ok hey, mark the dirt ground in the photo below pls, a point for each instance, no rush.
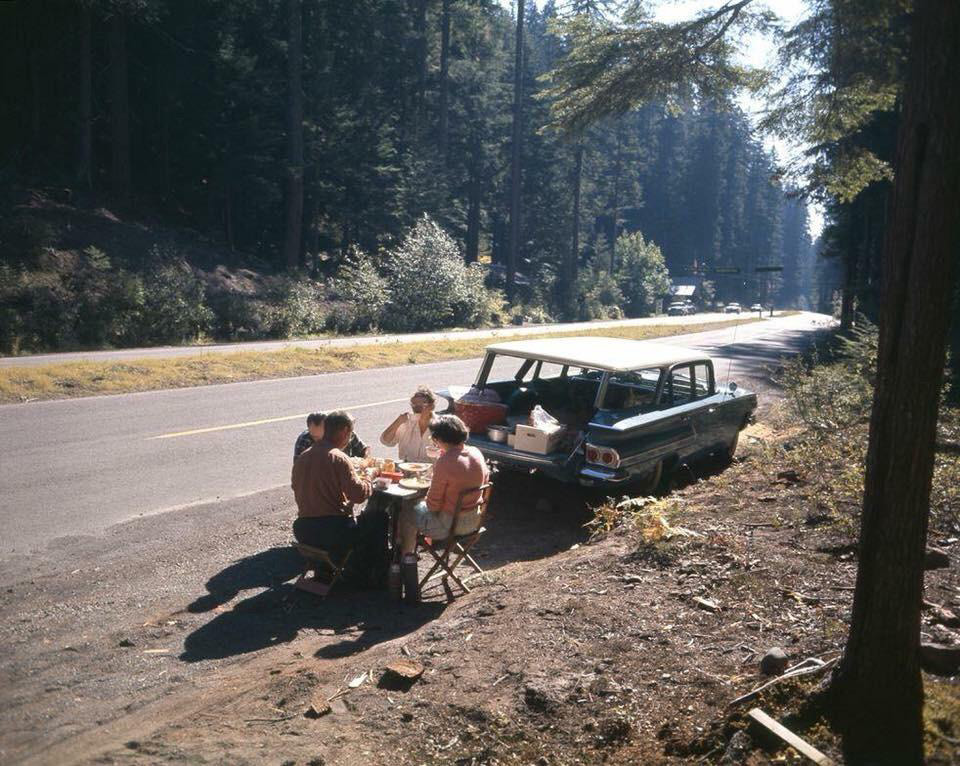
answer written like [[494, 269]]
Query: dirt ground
[[174, 639]]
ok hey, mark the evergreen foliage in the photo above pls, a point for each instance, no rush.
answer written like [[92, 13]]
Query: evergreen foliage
[[396, 125]]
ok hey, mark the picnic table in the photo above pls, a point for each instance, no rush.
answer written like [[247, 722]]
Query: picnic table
[[394, 496]]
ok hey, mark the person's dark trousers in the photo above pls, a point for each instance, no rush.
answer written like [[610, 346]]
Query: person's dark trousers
[[367, 536]]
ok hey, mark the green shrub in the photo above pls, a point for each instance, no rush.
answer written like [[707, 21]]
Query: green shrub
[[430, 285], [300, 312], [831, 395], [599, 295], [363, 294], [641, 274], [174, 308]]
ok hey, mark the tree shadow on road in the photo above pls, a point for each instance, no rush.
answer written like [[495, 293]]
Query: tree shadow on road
[[280, 614]]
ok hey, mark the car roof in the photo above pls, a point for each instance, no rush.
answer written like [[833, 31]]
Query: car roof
[[599, 353]]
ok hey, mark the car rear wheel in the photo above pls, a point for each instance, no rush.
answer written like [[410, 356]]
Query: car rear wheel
[[731, 448], [649, 482]]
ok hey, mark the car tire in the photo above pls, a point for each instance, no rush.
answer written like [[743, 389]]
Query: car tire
[[731, 449], [650, 482]]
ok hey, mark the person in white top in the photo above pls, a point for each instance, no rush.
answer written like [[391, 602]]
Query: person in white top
[[410, 432]]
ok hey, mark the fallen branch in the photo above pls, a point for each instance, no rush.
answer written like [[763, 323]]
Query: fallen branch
[[800, 669], [800, 745], [270, 720]]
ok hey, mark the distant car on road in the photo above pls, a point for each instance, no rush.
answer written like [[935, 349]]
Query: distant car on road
[[627, 411], [756, 307], [680, 309], [691, 307], [732, 308]]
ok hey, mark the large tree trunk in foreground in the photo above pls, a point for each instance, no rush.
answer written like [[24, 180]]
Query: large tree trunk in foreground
[[293, 231], [119, 109], [878, 683], [512, 253]]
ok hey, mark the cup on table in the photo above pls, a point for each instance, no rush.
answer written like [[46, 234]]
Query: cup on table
[[433, 452], [381, 483]]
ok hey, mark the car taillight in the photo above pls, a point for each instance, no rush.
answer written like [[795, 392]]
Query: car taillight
[[602, 455]]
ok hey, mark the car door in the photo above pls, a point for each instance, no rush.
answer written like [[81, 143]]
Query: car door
[[689, 388]]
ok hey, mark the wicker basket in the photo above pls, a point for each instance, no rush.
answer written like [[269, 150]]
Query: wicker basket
[[479, 415]]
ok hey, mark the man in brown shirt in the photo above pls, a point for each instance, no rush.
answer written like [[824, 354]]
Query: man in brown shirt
[[326, 486]]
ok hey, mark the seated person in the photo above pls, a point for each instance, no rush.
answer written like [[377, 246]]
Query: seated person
[[459, 467], [410, 432], [326, 486], [314, 433]]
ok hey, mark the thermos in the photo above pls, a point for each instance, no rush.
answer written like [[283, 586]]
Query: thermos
[[395, 581], [411, 580]]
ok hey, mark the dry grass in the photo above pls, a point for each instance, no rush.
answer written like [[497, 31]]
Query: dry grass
[[75, 379]]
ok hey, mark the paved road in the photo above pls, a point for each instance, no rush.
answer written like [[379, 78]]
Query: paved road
[[366, 340], [76, 467]]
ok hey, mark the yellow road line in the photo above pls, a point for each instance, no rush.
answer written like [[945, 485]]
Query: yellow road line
[[250, 423]]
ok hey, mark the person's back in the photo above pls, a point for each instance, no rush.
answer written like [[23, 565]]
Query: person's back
[[458, 469], [324, 482], [326, 486]]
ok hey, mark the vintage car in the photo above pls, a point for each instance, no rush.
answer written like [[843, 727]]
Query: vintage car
[[680, 308], [732, 308], [631, 411]]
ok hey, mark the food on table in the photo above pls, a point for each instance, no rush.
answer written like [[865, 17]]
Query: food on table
[[414, 483], [414, 469]]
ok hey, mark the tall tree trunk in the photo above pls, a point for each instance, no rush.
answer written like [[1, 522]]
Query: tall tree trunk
[[85, 96], [421, 23], [512, 253], [473, 212], [444, 77], [119, 109], [954, 375], [573, 257], [294, 182], [878, 682], [615, 213]]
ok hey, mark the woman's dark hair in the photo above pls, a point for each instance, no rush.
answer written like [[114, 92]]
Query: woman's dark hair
[[335, 422], [448, 429], [316, 419]]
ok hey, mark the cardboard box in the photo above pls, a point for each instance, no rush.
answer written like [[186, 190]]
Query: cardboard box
[[512, 440], [530, 439]]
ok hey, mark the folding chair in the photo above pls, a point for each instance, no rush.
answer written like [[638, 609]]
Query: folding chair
[[456, 545], [316, 559]]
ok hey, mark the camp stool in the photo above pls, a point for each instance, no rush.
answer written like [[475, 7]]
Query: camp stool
[[457, 547], [315, 558]]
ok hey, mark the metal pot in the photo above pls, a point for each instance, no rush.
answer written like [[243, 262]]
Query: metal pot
[[498, 434]]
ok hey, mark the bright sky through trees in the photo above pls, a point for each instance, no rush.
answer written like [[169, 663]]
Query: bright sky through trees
[[758, 50]]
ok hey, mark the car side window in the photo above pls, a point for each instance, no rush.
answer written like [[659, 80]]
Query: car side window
[[679, 387], [701, 380]]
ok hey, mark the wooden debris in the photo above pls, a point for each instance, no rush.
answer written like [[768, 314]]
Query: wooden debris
[[404, 669], [801, 746], [706, 603], [355, 682], [319, 707]]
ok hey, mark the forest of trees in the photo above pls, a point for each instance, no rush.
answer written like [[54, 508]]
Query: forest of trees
[[294, 132]]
